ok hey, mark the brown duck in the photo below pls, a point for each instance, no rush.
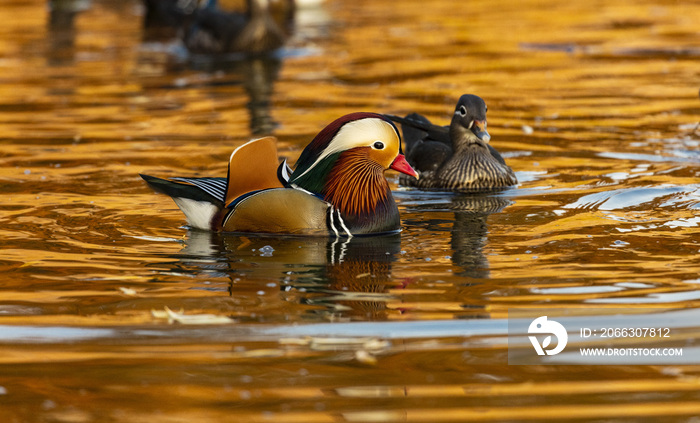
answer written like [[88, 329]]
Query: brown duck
[[458, 157]]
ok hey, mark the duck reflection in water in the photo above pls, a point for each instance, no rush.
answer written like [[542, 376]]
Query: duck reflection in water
[[219, 39], [61, 30], [469, 230], [469, 233], [334, 278], [257, 74]]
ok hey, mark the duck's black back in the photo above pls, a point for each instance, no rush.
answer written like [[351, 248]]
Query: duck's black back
[[427, 145]]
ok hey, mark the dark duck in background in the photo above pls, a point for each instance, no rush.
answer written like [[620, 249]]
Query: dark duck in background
[[458, 157], [208, 27]]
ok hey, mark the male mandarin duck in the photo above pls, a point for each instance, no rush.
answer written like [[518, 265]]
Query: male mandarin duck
[[337, 187], [458, 157]]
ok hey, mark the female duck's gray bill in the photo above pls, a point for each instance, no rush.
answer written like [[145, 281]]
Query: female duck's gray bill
[[479, 129]]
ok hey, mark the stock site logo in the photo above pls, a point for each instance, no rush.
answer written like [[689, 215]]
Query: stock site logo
[[543, 326]]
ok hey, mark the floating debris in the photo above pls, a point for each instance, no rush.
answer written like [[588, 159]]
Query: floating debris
[[266, 251], [191, 319], [365, 357], [128, 291], [336, 343]]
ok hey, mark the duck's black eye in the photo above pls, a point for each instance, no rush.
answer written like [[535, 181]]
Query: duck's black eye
[[462, 111], [378, 145]]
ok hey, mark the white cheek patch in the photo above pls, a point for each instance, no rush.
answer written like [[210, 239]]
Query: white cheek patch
[[198, 213], [359, 133]]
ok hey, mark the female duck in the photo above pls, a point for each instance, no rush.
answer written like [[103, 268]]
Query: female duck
[[458, 157], [337, 188]]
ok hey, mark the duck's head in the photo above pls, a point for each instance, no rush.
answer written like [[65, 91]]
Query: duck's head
[[469, 121], [366, 143]]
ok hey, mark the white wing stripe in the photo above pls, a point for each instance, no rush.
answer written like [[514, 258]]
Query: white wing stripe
[[216, 187]]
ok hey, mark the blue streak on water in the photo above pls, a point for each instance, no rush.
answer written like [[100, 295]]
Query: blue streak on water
[[429, 329], [51, 334]]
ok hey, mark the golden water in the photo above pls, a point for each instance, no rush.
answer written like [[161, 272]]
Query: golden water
[[593, 103]]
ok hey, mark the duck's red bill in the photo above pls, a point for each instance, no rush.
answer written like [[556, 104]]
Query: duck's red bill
[[401, 165]]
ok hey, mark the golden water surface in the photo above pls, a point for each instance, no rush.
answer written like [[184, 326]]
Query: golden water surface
[[593, 103]]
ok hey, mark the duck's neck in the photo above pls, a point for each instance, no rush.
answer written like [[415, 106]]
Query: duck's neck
[[356, 186], [463, 138]]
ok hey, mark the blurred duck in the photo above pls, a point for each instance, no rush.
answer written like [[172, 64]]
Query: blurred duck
[[337, 188], [458, 157], [207, 28]]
